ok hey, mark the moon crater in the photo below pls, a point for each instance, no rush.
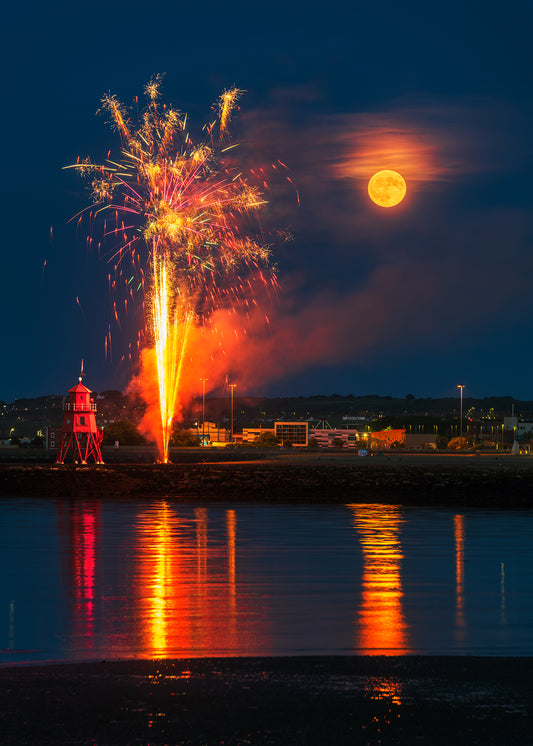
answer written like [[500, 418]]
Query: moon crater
[[387, 188]]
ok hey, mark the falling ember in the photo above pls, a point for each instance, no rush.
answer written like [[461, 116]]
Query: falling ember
[[226, 105], [180, 212]]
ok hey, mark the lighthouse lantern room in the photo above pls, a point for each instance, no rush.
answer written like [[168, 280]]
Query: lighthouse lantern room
[[80, 431]]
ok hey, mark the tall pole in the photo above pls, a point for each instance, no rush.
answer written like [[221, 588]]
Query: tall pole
[[461, 386], [203, 380], [232, 386]]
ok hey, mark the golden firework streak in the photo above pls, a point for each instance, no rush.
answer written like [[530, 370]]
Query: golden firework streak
[[172, 317]]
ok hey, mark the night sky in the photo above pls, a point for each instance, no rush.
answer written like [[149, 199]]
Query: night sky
[[407, 300]]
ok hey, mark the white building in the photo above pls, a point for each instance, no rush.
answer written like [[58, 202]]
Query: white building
[[520, 428]]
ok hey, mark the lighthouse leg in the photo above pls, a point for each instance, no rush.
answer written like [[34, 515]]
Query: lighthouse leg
[[60, 454], [92, 446], [79, 457], [87, 441], [64, 447]]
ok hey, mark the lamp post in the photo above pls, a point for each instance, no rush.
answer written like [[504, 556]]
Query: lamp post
[[461, 386], [232, 387], [203, 380]]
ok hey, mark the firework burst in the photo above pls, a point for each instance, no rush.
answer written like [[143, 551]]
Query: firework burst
[[183, 213]]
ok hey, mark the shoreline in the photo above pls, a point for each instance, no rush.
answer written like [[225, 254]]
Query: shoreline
[[311, 700], [314, 700], [466, 480]]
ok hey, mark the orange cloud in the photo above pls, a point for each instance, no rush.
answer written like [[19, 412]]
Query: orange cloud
[[405, 140]]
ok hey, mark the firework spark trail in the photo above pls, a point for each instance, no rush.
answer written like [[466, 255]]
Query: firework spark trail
[[170, 328], [184, 206]]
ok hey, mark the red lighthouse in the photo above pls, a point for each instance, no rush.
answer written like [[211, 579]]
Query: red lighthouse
[[80, 430]]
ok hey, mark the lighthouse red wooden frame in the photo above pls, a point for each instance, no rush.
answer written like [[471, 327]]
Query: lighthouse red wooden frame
[[80, 431]]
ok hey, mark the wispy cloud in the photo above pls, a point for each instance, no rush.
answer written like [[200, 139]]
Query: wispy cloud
[[424, 142]]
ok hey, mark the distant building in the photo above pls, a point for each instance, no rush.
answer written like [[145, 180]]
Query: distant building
[[387, 438], [292, 433], [52, 437], [420, 442], [250, 434], [519, 428], [211, 433], [326, 437]]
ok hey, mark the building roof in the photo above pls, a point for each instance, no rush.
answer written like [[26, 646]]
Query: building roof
[[79, 388]]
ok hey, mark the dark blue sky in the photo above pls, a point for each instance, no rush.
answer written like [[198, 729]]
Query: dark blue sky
[[412, 300]]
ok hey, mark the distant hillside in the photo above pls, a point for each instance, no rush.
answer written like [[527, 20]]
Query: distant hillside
[[372, 406], [25, 416]]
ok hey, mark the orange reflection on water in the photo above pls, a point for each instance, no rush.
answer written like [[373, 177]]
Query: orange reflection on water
[[231, 522], [459, 534], [231, 528], [384, 688], [161, 576], [184, 602], [381, 627], [201, 545]]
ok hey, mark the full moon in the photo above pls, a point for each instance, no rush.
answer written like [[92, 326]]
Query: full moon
[[387, 188]]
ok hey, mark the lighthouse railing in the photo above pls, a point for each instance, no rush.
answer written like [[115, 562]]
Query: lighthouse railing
[[79, 407]]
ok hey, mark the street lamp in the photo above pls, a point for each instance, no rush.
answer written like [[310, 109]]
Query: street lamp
[[461, 386], [203, 380], [232, 386]]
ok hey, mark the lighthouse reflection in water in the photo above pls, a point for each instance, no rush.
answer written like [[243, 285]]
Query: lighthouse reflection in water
[[126, 579]]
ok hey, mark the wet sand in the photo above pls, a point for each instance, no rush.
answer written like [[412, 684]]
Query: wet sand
[[344, 700]]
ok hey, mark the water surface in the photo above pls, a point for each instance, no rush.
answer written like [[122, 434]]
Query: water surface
[[108, 579]]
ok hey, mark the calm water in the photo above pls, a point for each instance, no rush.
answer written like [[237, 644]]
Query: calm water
[[118, 579]]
